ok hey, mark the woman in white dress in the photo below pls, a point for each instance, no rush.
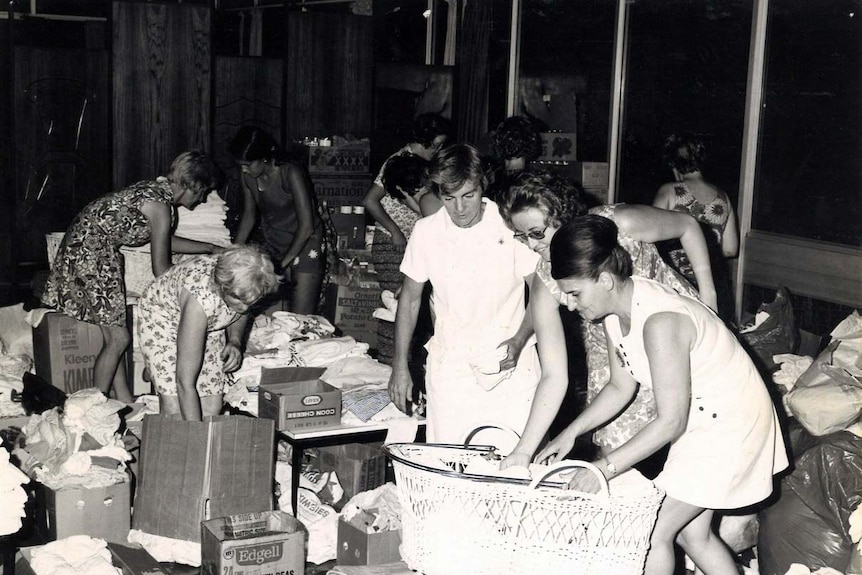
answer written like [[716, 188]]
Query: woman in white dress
[[712, 406]]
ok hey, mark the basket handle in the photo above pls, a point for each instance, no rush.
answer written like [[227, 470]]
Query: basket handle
[[572, 464], [489, 425]]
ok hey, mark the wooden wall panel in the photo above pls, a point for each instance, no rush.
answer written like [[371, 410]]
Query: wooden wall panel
[[74, 177], [162, 93], [328, 76], [824, 271], [247, 91]]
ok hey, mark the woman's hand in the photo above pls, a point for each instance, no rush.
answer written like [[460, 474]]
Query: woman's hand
[[516, 459], [231, 356], [514, 347], [214, 249], [398, 238], [581, 479], [400, 387], [558, 448]]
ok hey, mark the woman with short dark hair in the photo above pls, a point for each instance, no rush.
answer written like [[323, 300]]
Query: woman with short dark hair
[[712, 406]]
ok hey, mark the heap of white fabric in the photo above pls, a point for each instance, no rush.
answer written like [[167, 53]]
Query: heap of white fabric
[[12, 495], [206, 223], [78, 554]]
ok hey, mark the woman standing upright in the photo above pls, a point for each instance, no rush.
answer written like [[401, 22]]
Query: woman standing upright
[[86, 280], [293, 232]]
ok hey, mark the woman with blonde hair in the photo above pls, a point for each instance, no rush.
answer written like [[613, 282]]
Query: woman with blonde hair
[[193, 322]]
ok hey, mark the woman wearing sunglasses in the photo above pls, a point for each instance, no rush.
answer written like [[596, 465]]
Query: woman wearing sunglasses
[[535, 209]]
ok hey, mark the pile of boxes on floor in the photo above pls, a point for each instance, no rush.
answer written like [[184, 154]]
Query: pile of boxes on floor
[[340, 171], [202, 491]]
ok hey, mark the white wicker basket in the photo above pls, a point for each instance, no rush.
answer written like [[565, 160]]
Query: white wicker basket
[[455, 522]]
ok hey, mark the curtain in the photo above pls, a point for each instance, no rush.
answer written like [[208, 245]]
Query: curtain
[[472, 59]]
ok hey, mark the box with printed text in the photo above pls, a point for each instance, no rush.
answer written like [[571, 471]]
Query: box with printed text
[[267, 543], [297, 400]]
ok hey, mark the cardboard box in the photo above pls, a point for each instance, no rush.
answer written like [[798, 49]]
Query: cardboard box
[[359, 467], [339, 191], [354, 309], [270, 543], [191, 471], [101, 512], [297, 400], [591, 174], [359, 544], [559, 147], [64, 351], [354, 158], [350, 229]]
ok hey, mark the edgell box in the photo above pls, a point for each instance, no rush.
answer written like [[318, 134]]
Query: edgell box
[[268, 543], [297, 399], [64, 351]]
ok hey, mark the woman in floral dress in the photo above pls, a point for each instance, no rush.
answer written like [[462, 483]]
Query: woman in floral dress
[[536, 208], [86, 280], [690, 193], [193, 320]]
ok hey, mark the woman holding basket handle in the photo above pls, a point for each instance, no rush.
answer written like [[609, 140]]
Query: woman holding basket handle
[[712, 406]]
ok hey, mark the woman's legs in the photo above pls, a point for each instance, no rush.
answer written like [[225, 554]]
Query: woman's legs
[[672, 518], [108, 368], [210, 405], [705, 547], [306, 292]]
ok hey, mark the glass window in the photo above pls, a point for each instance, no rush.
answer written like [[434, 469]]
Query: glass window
[[807, 181], [686, 70], [566, 62]]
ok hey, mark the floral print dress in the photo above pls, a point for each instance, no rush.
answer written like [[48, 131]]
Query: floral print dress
[[646, 262], [713, 217], [86, 281], [160, 313]]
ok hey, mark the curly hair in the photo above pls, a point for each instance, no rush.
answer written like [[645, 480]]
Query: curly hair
[[455, 166], [196, 171], [517, 137], [426, 127], [407, 172], [245, 271], [559, 198], [685, 152]]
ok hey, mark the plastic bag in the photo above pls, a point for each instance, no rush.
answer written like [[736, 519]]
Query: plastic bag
[[828, 396], [776, 335], [810, 523]]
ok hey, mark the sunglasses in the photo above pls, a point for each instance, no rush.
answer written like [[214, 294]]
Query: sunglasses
[[532, 234]]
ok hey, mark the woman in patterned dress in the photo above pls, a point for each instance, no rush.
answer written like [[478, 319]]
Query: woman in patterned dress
[[690, 193], [86, 280], [293, 228], [193, 319], [536, 208]]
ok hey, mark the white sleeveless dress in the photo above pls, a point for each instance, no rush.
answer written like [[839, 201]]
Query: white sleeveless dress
[[732, 444]]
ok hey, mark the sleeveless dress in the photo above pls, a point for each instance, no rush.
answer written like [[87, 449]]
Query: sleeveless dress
[[713, 220], [159, 309], [279, 223], [732, 444], [647, 262], [86, 281]]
